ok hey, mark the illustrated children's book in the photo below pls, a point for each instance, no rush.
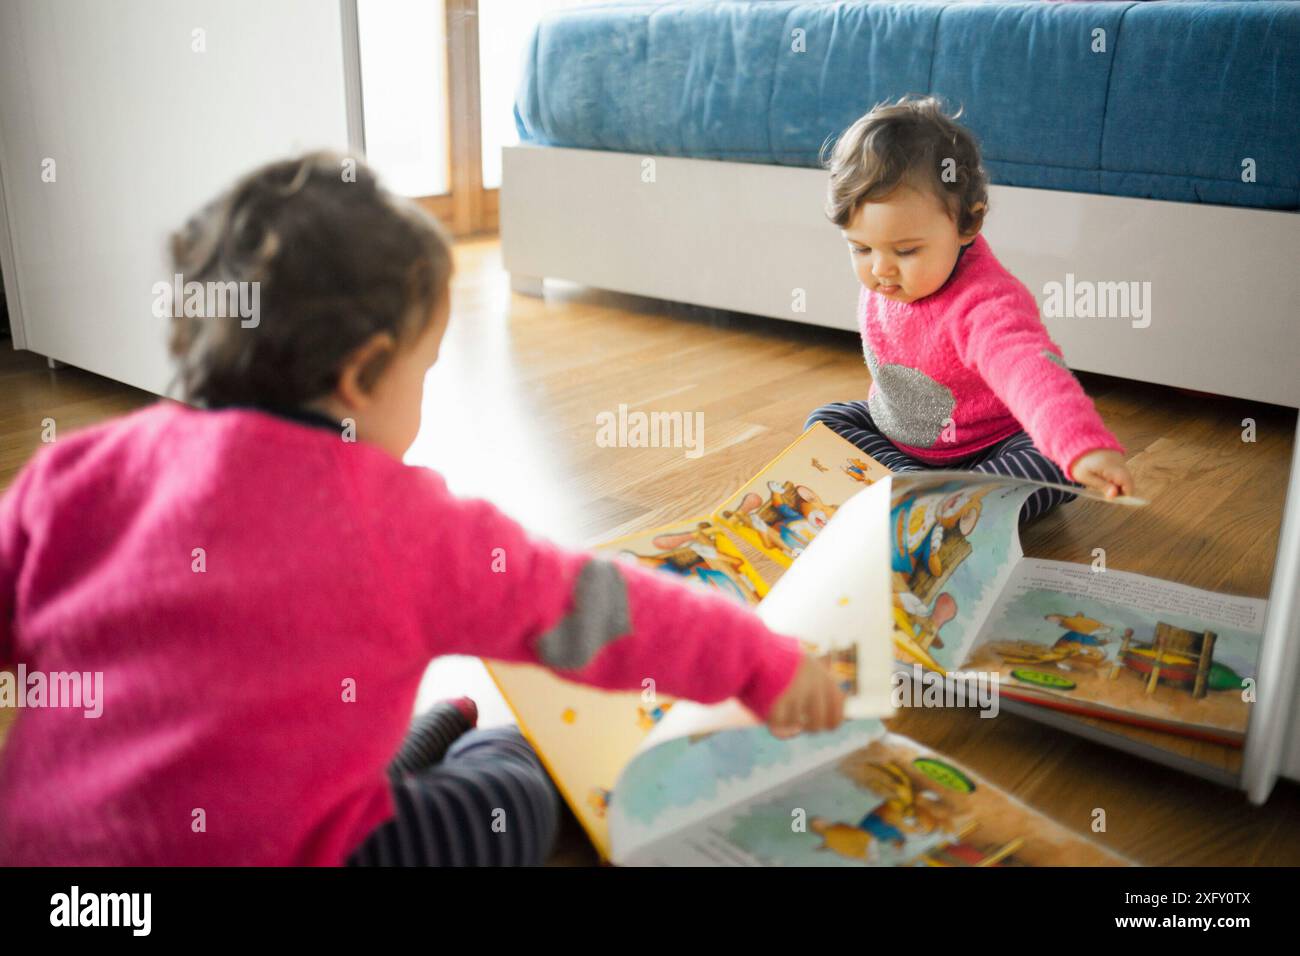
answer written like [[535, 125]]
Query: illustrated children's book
[[782, 508], [696, 550], [585, 735], [1072, 637], [910, 574], [839, 607], [704, 792]]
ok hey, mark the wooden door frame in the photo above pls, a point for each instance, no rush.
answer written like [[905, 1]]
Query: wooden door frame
[[467, 209]]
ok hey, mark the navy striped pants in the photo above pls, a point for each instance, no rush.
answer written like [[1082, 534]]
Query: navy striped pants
[[1015, 457], [464, 798]]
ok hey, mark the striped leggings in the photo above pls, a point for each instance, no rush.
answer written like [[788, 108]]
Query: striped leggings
[[464, 798], [1015, 457]]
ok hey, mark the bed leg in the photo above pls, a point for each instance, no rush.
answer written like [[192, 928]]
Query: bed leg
[[527, 285]]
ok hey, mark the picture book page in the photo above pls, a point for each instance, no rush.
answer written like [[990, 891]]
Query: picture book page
[[696, 550], [584, 735], [701, 760], [1164, 651], [867, 799], [953, 541], [784, 506], [836, 600]]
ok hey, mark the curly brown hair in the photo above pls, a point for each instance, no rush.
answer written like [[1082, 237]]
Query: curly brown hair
[[337, 259], [911, 142]]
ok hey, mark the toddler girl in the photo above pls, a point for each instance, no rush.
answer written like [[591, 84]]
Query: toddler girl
[[260, 582], [964, 376]]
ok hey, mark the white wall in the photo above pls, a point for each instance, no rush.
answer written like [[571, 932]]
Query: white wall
[[143, 129]]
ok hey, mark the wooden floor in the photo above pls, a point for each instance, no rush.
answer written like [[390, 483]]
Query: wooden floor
[[510, 414]]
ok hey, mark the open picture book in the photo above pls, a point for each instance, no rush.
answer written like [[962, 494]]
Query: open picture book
[[704, 789], [889, 579], [1077, 638]]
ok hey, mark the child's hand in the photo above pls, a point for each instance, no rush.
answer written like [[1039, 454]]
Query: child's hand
[[1103, 470], [813, 701]]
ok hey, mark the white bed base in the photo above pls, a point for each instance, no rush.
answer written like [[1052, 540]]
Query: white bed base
[[1224, 281], [1224, 299]]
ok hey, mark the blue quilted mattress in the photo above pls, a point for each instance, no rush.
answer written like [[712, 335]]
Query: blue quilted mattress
[[1188, 101]]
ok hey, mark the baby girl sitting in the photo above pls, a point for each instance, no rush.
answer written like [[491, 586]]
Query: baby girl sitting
[[964, 375]]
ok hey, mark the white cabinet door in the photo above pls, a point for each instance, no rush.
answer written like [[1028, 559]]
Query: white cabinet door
[[142, 110]]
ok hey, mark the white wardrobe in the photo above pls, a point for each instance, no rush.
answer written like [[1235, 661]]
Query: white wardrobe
[[117, 120]]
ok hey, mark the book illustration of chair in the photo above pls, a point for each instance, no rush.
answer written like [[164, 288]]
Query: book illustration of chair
[[1177, 656], [1123, 649], [954, 550]]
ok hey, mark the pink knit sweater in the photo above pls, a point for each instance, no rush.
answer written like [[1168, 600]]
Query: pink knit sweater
[[225, 735], [970, 365]]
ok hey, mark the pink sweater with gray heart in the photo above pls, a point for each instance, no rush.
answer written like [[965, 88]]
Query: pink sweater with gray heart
[[261, 599], [970, 365]]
